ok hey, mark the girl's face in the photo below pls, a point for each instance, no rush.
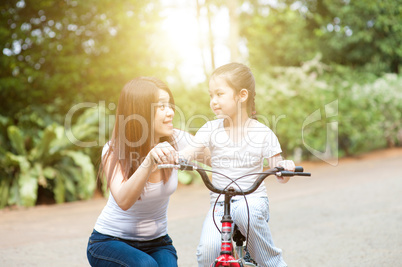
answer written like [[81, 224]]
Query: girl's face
[[223, 100], [163, 121]]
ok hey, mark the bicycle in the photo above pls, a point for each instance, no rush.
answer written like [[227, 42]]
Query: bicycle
[[230, 255]]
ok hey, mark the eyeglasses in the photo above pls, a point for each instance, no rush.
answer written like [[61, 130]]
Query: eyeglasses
[[163, 106]]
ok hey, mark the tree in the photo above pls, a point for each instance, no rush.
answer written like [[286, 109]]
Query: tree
[[357, 33], [234, 33], [354, 33], [73, 50], [55, 54], [276, 36]]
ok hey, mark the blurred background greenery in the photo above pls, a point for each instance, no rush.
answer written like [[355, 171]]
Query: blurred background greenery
[[339, 60]]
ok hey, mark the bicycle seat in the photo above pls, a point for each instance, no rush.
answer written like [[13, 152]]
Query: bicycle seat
[[238, 237]]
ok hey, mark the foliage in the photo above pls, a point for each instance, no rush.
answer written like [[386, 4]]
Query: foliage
[[74, 50], [285, 99], [366, 109], [192, 107], [372, 114], [185, 177], [46, 158], [276, 38], [357, 33], [56, 54]]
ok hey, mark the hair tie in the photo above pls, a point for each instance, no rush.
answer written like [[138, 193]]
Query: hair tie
[[254, 112]]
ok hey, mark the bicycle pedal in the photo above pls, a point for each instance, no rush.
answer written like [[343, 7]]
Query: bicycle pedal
[[247, 258]]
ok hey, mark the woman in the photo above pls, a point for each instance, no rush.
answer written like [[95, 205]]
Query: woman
[[132, 228]]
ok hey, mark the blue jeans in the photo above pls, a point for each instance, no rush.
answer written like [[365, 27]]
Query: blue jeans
[[104, 250]]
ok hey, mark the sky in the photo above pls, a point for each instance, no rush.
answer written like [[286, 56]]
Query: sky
[[187, 36]]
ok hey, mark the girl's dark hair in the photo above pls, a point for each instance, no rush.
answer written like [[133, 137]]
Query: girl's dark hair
[[132, 136], [238, 76]]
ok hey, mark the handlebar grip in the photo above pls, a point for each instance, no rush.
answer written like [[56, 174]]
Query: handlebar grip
[[303, 174], [299, 169], [288, 173]]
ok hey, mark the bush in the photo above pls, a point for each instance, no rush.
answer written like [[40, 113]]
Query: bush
[[42, 157], [330, 111]]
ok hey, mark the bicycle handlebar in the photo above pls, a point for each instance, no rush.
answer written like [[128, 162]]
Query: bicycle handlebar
[[278, 171]]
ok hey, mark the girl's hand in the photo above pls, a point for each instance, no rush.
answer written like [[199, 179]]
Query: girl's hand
[[163, 153], [287, 165]]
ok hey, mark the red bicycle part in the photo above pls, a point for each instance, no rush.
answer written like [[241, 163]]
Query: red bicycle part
[[226, 261]]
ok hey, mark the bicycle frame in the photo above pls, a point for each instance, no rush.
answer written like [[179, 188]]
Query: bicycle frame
[[226, 257]]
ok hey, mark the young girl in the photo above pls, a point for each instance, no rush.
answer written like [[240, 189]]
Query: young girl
[[238, 145]]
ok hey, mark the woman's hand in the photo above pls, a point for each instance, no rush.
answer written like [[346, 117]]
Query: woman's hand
[[163, 153]]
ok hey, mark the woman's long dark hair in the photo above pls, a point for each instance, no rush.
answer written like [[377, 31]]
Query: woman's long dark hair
[[132, 136]]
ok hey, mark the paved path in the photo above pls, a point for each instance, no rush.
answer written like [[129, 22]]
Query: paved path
[[348, 215]]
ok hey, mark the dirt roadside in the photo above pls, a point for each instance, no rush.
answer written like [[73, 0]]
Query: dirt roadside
[[345, 215]]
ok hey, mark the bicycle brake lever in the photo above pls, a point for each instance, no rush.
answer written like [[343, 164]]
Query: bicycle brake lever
[[184, 165]]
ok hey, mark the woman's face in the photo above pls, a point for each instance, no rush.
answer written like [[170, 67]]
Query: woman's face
[[163, 121]]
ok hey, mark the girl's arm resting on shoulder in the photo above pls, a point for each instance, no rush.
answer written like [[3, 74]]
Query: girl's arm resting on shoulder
[[278, 161], [193, 150], [197, 152]]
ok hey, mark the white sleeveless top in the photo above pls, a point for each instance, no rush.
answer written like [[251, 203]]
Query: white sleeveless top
[[147, 218]]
